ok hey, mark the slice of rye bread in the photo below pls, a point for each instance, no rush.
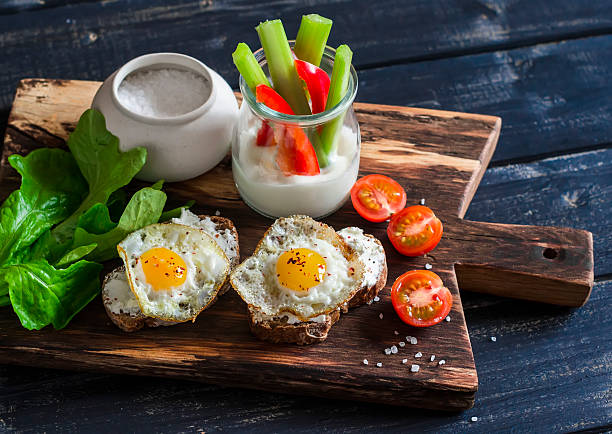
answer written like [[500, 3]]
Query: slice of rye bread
[[132, 322], [304, 333]]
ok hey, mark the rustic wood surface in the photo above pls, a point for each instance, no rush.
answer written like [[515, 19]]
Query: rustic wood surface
[[219, 348], [539, 64], [450, 150]]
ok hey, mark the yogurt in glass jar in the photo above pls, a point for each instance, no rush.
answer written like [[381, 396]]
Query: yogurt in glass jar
[[263, 185]]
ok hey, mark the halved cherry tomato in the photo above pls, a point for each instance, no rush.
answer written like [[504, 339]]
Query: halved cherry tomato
[[420, 298], [377, 197], [415, 230], [317, 82]]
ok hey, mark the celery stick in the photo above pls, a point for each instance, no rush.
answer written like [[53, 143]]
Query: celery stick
[[280, 64], [248, 67], [316, 144], [341, 74], [312, 38]]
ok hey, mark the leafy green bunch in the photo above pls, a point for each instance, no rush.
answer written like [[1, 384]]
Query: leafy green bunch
[[60, 224]]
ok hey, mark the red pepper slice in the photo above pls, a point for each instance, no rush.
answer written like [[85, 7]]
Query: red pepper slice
[[268, 96], [317, 82], [265, 135], [295, 155]]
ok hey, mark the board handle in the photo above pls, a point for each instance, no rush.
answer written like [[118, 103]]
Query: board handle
[[537, 263]]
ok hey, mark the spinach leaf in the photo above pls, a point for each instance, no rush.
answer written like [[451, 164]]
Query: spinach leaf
[[106, 169], [144, 208], [176, 212], [96, 220], [116, 204], [42, 295], [51, 189], [75, 254]]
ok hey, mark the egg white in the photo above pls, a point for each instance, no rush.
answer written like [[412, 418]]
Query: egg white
[[207, 267]]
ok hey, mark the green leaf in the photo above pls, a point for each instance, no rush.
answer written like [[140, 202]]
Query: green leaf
[[116, 204], [51, 189], [96, 220], [42, 295], [75, 254], [158, 185], [105, 168], [144, 208], [46, 247], [5, 300], [176, 212]]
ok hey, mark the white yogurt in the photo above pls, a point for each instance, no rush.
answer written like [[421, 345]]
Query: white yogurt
[[264, 187]]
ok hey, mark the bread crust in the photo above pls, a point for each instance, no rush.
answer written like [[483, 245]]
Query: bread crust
[[221, 224], [132, 323], [303, 333], [306, 333]]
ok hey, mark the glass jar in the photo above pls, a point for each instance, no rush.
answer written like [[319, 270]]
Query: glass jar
[[260, 181]]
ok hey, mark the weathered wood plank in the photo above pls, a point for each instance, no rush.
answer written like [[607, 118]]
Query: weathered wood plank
[[557, 380], [571, 190], [551, 97]]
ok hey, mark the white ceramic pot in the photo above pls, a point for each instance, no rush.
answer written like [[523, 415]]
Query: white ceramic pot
[[179, 147]]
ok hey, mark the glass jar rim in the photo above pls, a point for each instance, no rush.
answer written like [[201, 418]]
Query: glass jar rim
[[303, 120]]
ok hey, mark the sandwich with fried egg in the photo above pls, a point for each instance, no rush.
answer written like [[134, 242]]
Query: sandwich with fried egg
[[303, 275], [174, 271]]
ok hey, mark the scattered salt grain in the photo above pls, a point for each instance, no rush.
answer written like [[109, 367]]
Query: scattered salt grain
[[393, 349], [428, 266], [447, 318], [217, 213], [408, 338], [402, 344], [379, 365], [377, 298], [493, 339], [365, 361], [474, 419], [422, 202], [396, 333], [380, 315], [414, 368], [413, 340], [418, 355], [432, 358], [387, 351], [442, 362], [404, 361], [165, 92]]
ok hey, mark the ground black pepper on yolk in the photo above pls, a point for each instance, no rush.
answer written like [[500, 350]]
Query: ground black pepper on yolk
[[163, 268], [300, 269]]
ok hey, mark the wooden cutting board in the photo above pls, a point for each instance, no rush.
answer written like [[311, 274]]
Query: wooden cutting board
[[439, 156]]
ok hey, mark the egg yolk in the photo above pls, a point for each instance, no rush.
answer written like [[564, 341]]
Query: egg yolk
[[300, 269], [163, 269]]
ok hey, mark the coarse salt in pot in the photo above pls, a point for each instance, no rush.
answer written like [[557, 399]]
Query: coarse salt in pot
[[176, 107], [260, 180]]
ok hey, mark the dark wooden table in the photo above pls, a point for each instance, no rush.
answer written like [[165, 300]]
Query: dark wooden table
[[544, 66]]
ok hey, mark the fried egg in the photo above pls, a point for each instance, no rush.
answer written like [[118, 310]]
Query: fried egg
[[301, 267], [173, 270]]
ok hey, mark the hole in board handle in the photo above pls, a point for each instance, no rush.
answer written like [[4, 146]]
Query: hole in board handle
[[549, 253]]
